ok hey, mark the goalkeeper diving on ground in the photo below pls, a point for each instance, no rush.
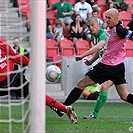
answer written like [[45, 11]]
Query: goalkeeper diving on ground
[[10, 79]]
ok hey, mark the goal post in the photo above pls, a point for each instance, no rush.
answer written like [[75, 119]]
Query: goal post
[[37, 86]]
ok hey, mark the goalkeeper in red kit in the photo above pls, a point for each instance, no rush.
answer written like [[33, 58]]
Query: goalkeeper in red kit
[[9, 77]]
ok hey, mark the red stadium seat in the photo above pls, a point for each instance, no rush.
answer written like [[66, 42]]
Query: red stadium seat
[[72, 2], [129, 48], [23, 9], [50, 13], [28, 13], [51, 52], [57, 60], [68, 51], [103, 16], [51, 16], [125, 17], [67, 29], [65, 43], [101, 2], [82, 50], [91, 44], [103, 8], [124, 14], [51, 43], [81, 43], [22, 2], [52, 2], [125, 22], [130, 2], [132, 10]]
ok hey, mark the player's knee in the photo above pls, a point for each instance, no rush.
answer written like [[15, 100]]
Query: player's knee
[[80, 84], [123, 97], [104, 88]]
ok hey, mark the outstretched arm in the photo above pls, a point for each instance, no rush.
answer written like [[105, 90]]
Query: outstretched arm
[[92, 60], [91, 51]]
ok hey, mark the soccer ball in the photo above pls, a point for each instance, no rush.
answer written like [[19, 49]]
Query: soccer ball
[[53, 73]]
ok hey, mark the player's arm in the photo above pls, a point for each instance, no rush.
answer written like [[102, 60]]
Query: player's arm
[[91, 51], [17, 57], [123, 32], [92, 60]]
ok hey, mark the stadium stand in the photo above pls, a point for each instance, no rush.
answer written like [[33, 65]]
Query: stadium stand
[[11, 24]]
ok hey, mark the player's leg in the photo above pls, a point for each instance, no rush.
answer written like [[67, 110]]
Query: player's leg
[[121, 86], [51, 102], [101, 99], [90, 78], [124, 94], [77, 91], [69, 110]]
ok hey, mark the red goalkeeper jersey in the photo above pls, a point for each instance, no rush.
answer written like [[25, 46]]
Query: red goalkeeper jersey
[[8, 57]]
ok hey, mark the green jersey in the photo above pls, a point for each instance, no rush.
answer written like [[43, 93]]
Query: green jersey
[[101, 36], [66, 7], [119, 1]]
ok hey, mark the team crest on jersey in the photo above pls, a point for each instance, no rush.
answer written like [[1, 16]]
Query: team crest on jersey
[[113, 31]]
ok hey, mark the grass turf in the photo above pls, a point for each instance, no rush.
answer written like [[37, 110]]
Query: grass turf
[[113, 118]]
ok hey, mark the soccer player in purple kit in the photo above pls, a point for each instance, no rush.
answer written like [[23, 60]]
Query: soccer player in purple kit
[[111, 67]]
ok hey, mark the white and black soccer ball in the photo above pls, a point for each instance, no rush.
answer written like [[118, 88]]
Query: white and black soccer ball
[[53, 73]]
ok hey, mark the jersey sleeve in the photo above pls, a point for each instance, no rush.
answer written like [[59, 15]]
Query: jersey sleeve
[[54, 7], [76, 8], [70, 7], [123, 32], [102, 36]]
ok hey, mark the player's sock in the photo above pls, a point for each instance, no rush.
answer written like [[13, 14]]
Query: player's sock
[[99, 103], [51, 102], [73, 96], [93, 96], [130, 98]]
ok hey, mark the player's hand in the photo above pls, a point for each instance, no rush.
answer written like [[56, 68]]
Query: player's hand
[[88, 62], [78, 58]]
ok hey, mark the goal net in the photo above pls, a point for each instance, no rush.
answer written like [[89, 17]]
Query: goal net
[[26, 22]]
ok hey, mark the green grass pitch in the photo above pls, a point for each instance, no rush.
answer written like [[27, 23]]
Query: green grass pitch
[[113, 118]]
